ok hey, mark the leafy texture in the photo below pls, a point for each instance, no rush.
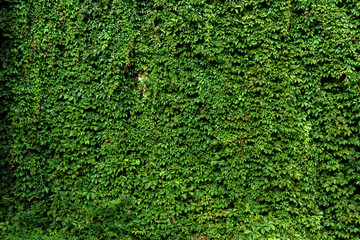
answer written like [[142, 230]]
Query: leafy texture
[[188, 119]]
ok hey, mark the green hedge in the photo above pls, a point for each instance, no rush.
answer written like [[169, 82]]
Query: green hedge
[[168, 119]]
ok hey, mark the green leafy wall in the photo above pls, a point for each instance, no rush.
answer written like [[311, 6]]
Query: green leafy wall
[[191, 119]]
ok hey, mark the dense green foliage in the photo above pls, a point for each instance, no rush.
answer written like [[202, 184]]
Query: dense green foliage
[[168, 119]]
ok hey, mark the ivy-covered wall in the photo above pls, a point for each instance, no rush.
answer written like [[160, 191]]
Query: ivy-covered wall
[[168, 119]]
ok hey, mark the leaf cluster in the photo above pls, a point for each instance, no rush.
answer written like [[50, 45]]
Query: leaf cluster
[[197, 119]]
